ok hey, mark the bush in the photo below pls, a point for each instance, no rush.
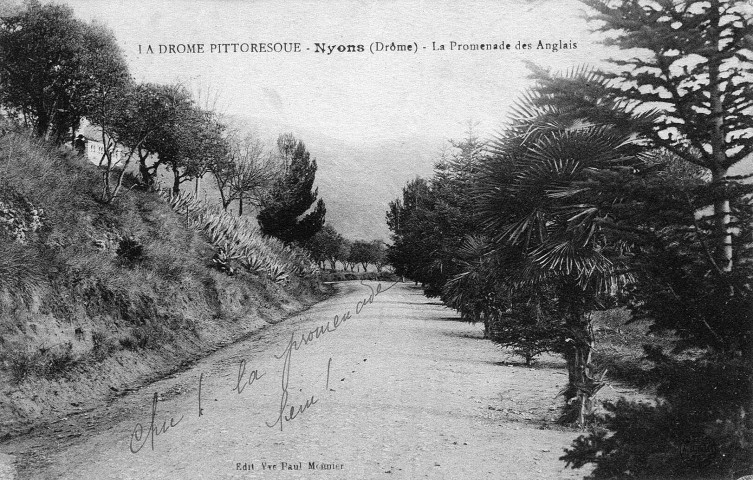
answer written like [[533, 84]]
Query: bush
[[58, 361], [223, 261], [527, 335], [130, 251], [20, 365], [102, 345], [701, 426], [129, 342]]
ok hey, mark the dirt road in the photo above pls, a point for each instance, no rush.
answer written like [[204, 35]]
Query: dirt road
[[399, 389]]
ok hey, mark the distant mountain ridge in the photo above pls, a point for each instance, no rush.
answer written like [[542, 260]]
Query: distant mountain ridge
[[358, 180]]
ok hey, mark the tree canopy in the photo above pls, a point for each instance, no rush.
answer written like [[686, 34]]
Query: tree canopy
[[283, 213], [694, 65], [51, 66]]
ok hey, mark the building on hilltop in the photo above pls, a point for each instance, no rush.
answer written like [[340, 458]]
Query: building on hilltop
[[94, 149]]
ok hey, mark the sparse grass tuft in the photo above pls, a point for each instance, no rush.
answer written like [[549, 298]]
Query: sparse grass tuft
[[44, 362], [21, 271], [102, 345]]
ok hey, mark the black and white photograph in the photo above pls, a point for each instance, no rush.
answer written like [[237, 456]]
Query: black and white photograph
[[361, 239]]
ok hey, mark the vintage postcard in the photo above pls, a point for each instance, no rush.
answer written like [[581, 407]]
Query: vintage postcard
[[359, 239]]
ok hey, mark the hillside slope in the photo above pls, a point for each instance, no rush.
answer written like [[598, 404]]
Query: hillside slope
[[96, 298]]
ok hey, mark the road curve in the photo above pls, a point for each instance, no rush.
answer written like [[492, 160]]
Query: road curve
[[399, 389]]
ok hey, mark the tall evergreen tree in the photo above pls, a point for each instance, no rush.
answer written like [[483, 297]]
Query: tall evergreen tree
[[694, 63], [414, 239], [284, 212]]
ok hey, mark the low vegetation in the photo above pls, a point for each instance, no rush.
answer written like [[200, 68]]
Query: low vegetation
[[86, 283], [239, 242]]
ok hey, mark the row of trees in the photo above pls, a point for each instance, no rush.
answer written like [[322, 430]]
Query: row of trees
[[614, 189], [56, 71], [328, 245]]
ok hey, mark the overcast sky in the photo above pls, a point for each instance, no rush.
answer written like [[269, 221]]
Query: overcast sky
[[359, 97], [373, 121]]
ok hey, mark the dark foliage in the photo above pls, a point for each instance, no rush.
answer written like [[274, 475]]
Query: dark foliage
[[698, 428], [702, 422], [130, 251], [433, 218], [50, 66], [414, 238], [284, 213]]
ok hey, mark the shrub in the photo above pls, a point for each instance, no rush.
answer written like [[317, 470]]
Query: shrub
[[129, 342], [130, 251], [223, 260], [56, 362], [526, 337], [701, 426], [102, 345], [20, 364]]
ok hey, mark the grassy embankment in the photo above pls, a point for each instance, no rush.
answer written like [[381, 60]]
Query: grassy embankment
[[97, 298]]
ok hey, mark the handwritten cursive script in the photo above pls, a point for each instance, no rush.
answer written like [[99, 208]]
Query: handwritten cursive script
[[154, 430], [243, 382], [141, 435], [285, 413]]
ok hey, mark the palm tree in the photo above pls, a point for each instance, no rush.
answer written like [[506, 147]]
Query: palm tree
[[473, 292], [537, 193], [489, 289]]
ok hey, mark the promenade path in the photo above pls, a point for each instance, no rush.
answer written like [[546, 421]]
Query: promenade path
[[401, 389]]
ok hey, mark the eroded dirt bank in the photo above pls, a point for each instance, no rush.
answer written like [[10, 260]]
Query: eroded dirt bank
[[90, 383]]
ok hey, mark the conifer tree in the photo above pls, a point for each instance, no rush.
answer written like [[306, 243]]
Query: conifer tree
[[284, 212], [693, 62]]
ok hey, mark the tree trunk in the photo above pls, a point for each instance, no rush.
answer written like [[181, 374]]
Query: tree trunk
[[146, 178], [722, 214], [583, 382], [240, 205], [176, 182], [43, 122], [719, 172]]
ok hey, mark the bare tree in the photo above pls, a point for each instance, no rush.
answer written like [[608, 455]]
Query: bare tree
[[286, 145], [245, 173]]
